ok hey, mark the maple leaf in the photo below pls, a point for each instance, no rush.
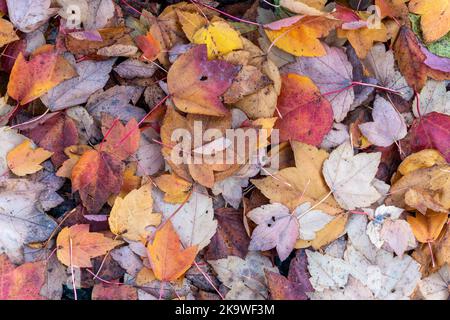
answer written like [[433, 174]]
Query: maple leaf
[[388, 124], [23, 159], [433, 97], [149, 46], [23, 282], [302, 183], [429, 132], [332, 73], [231, 238], [54, 133], [92, 76], [435, 286], [201, 83], [427, 228], [120, 141], [132, 215], [29, 15], [31, 79], [351, 177], [7, 34], [299, 35], [21, 216], [244, 277], [96, 176], [296, 285], [306, 116], [194, 221], [277, 228], [219, 37], [169, 261], [77, 246], [435, 18]]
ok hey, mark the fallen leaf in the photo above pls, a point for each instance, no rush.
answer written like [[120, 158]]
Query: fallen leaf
[[169, 261], [29, 15], [332, 73], [96, 176], [23, 282], [92, 76], [277, 228], [245, 277], [433, 97], [219, 37], [194, 221], [149, 46], [176, 189], [303, 183], [388, 124], [299, 35], [435, 286], [22, 217], [10, 139], [132, 215], [7, 34], [31, 79], [203, 82], [231, 238], [77, 246], [104, 291], [23, 159], [427, 228], [435, 18], [351, 177], [306, 116]]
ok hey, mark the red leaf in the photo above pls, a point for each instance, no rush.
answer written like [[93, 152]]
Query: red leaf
[[431, 131], [54, 133], [96, 176], [231, 239], [21, 283], [307, 116], [104, 291]]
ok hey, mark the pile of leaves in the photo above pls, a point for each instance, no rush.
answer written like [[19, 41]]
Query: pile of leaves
[[93, 207]]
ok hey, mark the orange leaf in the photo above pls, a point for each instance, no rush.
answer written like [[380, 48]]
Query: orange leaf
[[96, 176], [77, 246], [300, 35], [23, 159], [435, 17], [427, 228], [21, 283], [114, 132], [31, 79], [169, 261], [176, 189], [149, 46], [7, 34]]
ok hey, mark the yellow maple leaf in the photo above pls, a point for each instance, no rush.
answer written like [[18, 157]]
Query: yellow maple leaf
[[219, 37], [435, 17], [131, 215]]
